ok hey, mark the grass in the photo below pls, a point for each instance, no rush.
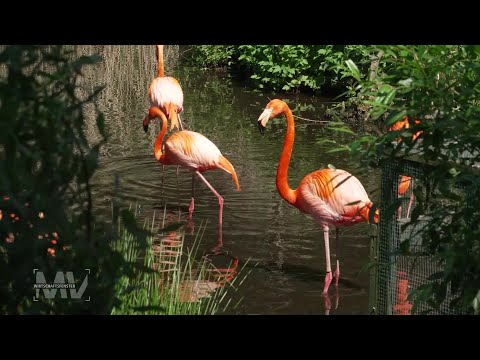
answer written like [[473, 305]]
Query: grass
[[168, 279]]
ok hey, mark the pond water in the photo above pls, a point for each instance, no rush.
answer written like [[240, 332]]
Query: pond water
[[284, 248]]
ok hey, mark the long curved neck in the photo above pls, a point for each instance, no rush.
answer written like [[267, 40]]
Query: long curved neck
[[283, 188], [157, 149], [160, 60]]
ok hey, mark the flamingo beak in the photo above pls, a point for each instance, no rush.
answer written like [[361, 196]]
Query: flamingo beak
[[263, 119], [261, 128], [145, 124]]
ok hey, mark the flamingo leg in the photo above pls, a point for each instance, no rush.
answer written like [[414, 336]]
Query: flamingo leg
[[328, 275], [220, 199], [192, 203], [180, 122], [163, 182], [218, 247], [337, 256], [411, 200], [399, 213]]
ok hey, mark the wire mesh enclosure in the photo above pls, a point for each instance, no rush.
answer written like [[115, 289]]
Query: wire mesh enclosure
[[396, 275]]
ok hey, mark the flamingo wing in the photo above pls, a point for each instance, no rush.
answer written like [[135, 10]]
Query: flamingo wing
[[192, 150], [334, 197]]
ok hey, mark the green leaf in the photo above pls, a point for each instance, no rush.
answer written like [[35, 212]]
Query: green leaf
[[341, 129], [407, 82], [353, 69], [454, 172], [338, 150]]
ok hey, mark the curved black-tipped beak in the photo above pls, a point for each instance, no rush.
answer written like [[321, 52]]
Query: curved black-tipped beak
[[261, 128], [145, 124], [263, 119]]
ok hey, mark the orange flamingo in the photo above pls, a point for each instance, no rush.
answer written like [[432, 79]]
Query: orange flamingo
[[406, 181], [331, 197], [192, 151], [166, 93]]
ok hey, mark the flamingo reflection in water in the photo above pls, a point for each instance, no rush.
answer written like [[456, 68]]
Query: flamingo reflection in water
[[199, 282]]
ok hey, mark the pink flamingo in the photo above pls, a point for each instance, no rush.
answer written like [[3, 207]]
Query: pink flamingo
[[407, 181], [166, 93], [192, 151], [331, 197]]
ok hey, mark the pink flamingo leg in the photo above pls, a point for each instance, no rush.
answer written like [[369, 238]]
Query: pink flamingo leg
[[328, 275], [179, 122], [337, 255], [216, 249], [220, 199], [411, 200], [192, 203]]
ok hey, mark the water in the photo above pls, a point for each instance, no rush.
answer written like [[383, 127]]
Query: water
[[285, 248]]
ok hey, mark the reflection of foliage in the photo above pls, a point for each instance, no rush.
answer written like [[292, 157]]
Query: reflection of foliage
[[438, 85], [46, 164]]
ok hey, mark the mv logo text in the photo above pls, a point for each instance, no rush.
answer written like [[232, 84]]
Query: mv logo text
[[62, 282]]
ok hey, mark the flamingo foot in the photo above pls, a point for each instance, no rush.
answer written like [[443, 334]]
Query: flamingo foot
[[328, 280]]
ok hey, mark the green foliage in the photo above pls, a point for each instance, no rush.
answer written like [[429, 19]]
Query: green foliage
[[439, 85], [208, 56], [46, 164], [287, 67]]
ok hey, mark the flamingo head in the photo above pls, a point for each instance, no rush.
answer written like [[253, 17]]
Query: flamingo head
[[273, 109], [146, 122], [153, 112]]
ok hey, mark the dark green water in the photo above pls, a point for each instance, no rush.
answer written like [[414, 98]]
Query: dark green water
[[286, 245]]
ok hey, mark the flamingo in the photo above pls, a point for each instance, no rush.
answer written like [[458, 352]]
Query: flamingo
[[406, 181], [166, 93], [192, 151], [331, 197]]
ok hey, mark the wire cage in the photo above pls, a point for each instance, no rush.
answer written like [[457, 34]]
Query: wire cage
[[395, 276]]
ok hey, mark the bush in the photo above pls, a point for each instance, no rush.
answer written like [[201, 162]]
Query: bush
[[438, 85], [287, 68], [46, 163]]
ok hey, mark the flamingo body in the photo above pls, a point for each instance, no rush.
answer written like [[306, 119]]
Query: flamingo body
[[164, 91], [334, 197], [195, 152]]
